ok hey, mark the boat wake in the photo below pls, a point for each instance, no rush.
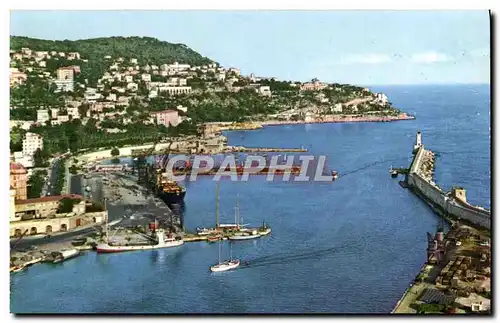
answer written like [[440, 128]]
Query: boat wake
[[281, 259]]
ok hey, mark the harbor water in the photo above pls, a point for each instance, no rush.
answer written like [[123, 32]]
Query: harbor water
[[351, 246]]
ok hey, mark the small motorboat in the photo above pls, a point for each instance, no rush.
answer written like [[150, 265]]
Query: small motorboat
[[214, 238], [335, 175]]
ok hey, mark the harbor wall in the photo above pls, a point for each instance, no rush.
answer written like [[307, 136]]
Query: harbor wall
[[445, 200]]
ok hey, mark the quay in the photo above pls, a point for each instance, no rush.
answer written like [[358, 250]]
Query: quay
[[451, 204], [264, 150], [456, 275]]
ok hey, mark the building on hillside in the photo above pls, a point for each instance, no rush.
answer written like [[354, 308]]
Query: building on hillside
[[176, 67], [235, 71], [132, 86], [337, 107], [176, 81], [31, 143], [264, 90], [17, 77], [73, 55], [174, 90], [381, 98], [65, 73], [314, 85], [65, 79], [182, 108], [42, 115], [166, 117], [133, 61], [220, 76], [25, 160], [54, 113], [73, 112], [129, 78], [146, 77], [19, 180]]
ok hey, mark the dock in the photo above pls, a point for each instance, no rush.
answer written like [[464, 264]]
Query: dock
[[264, 150]]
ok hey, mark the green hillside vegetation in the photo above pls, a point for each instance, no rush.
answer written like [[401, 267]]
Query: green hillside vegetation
[[147, 50]]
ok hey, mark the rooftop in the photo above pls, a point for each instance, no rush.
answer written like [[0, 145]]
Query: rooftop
[[17, 166]]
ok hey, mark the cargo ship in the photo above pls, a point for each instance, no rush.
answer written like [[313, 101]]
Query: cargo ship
[[169, 191]]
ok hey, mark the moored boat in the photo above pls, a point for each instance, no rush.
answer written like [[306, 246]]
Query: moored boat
[[65, 255], [161, 242], [245, 236]]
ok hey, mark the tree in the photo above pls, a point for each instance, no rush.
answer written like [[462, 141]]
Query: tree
[[38, 158], [66, 205], [115, 152]]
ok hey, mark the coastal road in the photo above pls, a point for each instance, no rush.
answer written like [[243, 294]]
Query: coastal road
[[54, 175]]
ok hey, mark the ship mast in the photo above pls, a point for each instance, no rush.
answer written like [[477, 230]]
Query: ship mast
[[107, 221], [217, 206]]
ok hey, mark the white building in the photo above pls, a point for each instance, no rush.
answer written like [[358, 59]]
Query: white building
[[54, 112], [381, 98], [42, 115], [182, 108], [129, 78], [146, 77], [220, 76], [264, 90], [132, 86], [26, 161], [31, 143], [175, 90], [111, 97], [337, 107], [74, 112], [133, 60]]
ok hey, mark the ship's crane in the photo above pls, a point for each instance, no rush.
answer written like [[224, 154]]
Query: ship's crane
[[19, 239]]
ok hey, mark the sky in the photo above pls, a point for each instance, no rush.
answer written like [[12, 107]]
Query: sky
[[356, 47]]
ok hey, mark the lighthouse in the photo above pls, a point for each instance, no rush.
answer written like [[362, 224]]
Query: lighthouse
[[418, 141]]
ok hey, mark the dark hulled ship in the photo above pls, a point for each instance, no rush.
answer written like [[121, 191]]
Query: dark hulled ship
[[169, 191]]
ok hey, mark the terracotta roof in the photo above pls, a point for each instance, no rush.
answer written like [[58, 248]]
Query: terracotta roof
[[17, 166], [164, 111], [46, 199]]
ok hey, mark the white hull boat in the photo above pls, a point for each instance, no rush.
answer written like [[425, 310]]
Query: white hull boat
[[244, 237], [225, 266], [65, 255], [162, 243]]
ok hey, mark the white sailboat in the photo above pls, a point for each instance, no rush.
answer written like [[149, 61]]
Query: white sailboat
[[226, 265]]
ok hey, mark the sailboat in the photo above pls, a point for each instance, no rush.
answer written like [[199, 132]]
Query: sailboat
[[215, 235], [226, 265]]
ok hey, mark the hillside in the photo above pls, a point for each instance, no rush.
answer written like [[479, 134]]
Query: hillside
[[146, 49]]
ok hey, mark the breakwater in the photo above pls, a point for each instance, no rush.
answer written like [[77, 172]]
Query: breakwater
[[453, 203]]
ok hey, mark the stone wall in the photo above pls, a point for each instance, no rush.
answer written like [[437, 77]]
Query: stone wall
[[445, 200]]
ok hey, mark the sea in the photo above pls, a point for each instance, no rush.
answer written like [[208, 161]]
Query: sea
[[349, 246]]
